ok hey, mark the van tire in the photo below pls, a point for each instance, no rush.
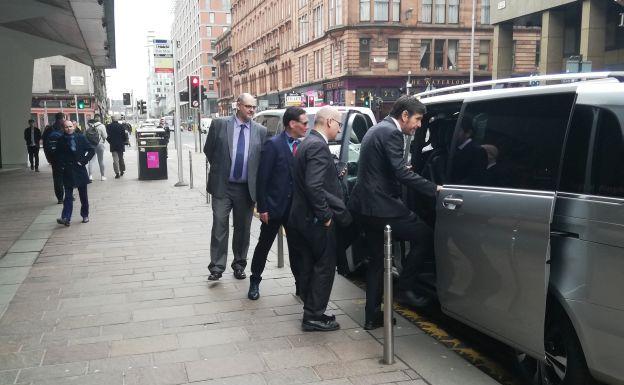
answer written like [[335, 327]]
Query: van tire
[[561, 343]]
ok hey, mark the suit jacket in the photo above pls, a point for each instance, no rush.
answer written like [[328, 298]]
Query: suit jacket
[[219, 150], [37, 137], [73, 163], [317, 195], [469, 164], [116, 136], [381, 171], [275, 177]]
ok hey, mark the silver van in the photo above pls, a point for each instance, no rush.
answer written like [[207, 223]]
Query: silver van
[[530, 250]]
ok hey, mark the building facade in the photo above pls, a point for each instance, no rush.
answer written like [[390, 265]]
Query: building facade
[[64, 85], [349, 52], [222, 55], [574, 35], [197, 26]]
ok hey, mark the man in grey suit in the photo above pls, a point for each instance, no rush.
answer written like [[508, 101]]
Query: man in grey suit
[[233, 150]]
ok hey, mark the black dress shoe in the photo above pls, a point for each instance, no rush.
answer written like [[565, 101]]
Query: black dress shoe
[[410, 298], [239, 274], [254, 290], [326, 325], [214, 276], [377, 321]]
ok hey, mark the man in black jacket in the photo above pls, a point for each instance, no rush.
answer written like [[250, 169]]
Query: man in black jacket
[[32, 136], [376, 202], [274, 193], [116, 137], [317, 207], [50, 137]]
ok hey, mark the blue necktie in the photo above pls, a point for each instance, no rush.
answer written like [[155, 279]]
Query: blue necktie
[[240, 154]]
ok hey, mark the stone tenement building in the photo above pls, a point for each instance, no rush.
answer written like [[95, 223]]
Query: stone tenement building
[[341, 51]]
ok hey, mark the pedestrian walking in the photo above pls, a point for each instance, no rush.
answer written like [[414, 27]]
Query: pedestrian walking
[[51, 135], [233, 150], [116, 137], [96, 135], [73, 153], [274, 193], [376, 202], [317, 208], [32, 136]]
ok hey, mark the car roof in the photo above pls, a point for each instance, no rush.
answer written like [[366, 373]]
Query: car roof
[[314, 110]]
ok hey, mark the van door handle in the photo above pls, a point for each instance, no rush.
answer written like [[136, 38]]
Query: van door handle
[[565, 234], [450, 202]]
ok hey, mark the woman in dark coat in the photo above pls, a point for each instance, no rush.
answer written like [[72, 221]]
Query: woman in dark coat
[[73, 152]]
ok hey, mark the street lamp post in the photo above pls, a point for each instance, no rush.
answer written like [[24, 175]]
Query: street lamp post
[[178, 129], [472, 41]]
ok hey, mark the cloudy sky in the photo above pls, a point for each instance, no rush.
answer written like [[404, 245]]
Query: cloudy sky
[[133, 20]]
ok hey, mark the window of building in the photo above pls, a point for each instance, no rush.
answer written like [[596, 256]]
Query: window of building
[[331, 13], [381, 10], [364, 10], [208, 31], [393, 54], [485, 11], [302, 3], [58, 77], [425, 55], [484, 55], [303, 69], [365, 53], [607, 178], [338, 12], [303, 29], [438, 55], [453, 11], [538, 52], [439, 11], [318, 64], [317, 15], [451, 54], [514, 47], [425, 11], [228, 18], [396, 10], [213, 71], [211, 16], [209, 57]]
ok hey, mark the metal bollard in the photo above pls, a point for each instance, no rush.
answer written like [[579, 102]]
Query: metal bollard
[[191, 168], [280, 247], [388, 349]]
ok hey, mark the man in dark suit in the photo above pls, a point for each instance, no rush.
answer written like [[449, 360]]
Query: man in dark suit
[[470, 159], [32, 136], [50, 137], [317, 207], [116, 137], [376, 202], [274, 192], [233, 151]]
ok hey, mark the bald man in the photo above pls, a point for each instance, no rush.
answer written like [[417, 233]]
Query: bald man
[[317, 207], [233, 151]]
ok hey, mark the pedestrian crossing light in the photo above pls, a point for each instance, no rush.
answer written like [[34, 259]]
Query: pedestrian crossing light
[[81, 104], [366, 101], [194, 91], [143, 107]]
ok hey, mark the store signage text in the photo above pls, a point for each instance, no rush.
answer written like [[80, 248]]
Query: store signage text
[[438, 82], [335, 85]]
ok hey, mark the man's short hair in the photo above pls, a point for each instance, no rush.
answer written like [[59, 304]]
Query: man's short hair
[[59, 116], [292, 113], [31, 120], [409, 104]]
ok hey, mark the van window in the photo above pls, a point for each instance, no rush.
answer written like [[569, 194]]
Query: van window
[[271, 122], [576, 149], [607, 175], [516, 142]]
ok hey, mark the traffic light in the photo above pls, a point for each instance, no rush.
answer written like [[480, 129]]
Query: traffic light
[[310, 100], [366, 101], [142, 107], [126, 99], [194, 91], [203, 92], [81, 104]]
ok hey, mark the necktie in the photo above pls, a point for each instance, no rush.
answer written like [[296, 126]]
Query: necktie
[[240, 154], [294, 147]]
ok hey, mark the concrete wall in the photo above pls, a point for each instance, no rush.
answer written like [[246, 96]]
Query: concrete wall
[[42, 75], [517, 8]]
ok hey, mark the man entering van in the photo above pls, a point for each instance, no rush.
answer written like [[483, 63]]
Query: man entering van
[[376, 202]]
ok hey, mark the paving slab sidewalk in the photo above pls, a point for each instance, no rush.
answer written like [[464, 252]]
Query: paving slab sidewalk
[[124, 300]]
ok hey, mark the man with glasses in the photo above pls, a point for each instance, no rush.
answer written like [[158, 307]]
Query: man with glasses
[[233, 151], [274, 192], [317, 208], [376, 202]]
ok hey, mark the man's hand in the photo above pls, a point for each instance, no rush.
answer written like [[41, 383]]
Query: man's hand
[[328, 223], [264, 217]]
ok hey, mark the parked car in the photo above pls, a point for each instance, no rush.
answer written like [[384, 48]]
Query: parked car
[[533, 255]]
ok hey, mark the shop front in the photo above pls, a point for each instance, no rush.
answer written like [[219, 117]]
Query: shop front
[[80, 108]]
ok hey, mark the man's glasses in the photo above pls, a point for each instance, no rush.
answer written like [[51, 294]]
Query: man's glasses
[[339, 123], [250, 107]]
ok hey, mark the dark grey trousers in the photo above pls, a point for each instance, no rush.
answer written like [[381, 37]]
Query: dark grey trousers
[[237, 201]]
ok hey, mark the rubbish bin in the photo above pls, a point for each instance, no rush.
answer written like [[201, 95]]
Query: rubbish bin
[[152, 150]]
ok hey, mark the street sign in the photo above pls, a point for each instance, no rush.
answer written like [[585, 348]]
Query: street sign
[[293, 100]]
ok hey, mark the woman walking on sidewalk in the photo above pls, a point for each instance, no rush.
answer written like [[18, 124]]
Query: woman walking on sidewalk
[[74, 152]]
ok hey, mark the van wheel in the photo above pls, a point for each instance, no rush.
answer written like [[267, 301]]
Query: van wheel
[[565, 363]]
